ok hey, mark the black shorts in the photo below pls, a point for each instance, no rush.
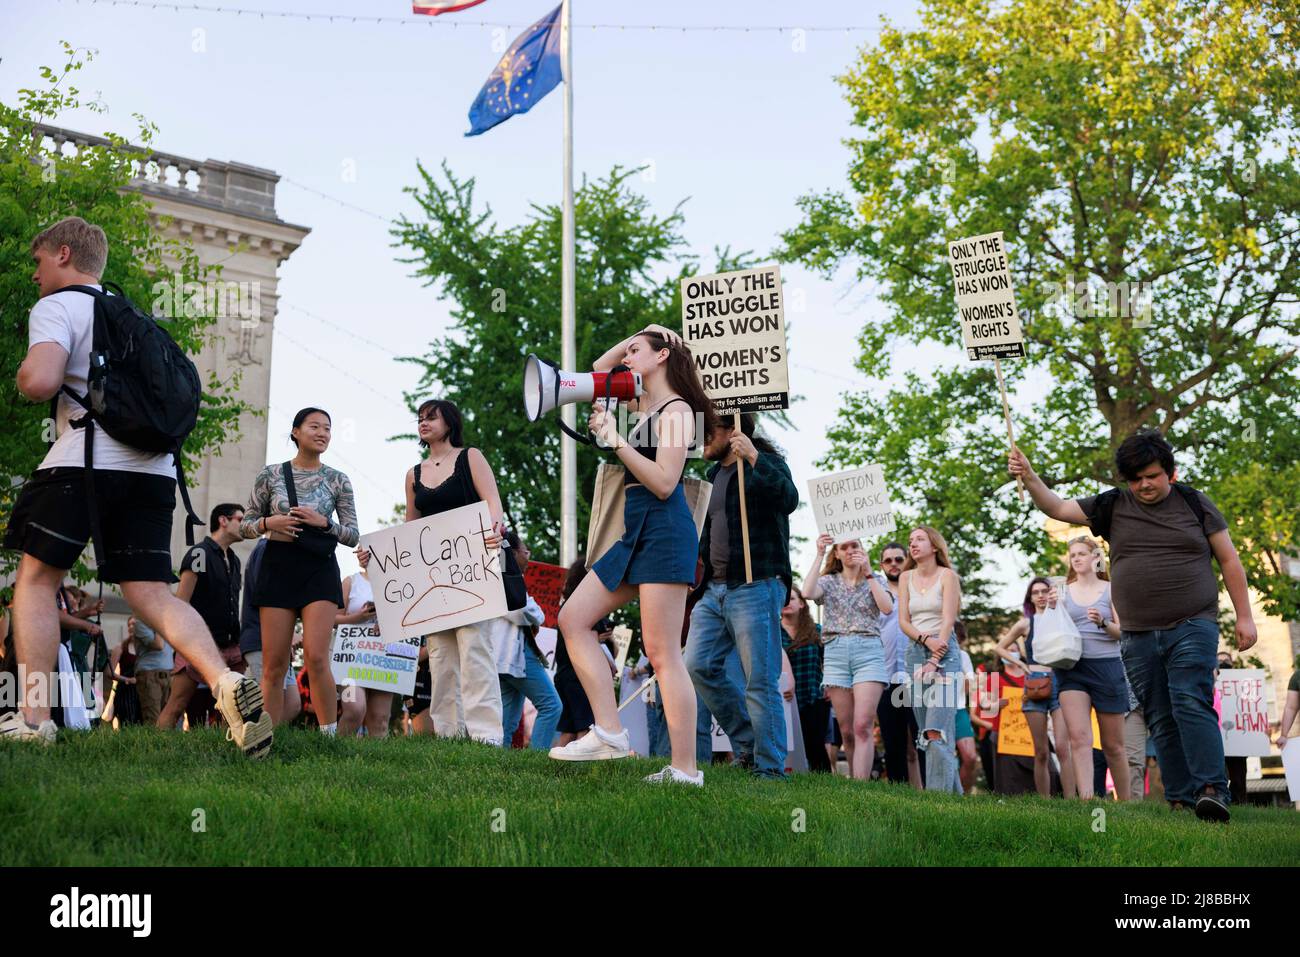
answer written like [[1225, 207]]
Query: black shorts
[[292, 577], [420, 698], [51, 522]]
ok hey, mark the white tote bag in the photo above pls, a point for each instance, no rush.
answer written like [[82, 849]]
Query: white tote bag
[[1057, 642]]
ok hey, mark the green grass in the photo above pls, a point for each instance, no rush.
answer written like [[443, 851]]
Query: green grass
[[130, 798]]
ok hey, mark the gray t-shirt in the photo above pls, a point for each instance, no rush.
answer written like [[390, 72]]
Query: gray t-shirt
[[150, 660], [1161, 568], [719, 534]]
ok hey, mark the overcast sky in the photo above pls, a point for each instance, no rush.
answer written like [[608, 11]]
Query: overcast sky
[[741, 123]]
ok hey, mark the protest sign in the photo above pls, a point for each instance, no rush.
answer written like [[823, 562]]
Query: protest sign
[[545, 583], [1291, 764], [435, 574], [633, 715], [734, 325], [622, 636], [1013, 728], [360, 656], [547, 638], [849, 505], [990, 323], [981, 275], [1243, 715]]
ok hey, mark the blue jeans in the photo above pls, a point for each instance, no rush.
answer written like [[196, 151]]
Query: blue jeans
[[748, 619], [1172, 674], [935, 703], [657, 729], [536, 686]]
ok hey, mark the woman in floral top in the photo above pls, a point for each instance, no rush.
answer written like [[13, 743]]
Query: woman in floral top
[[299, 575], [855, 672]]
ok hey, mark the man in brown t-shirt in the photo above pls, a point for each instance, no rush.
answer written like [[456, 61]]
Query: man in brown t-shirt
[[1167, 600]]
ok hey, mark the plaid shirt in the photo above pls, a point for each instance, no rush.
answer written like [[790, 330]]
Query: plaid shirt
[[806, 663], [770, 497]]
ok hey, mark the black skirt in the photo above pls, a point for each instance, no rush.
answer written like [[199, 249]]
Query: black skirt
[[292, 577]]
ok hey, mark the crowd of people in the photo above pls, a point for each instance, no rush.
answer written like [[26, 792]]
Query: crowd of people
[[722, 620]]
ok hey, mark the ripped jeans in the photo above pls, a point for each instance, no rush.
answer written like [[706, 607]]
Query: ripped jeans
[[934, 702]]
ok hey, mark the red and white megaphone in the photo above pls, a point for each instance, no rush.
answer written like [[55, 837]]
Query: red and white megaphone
[[546, 386]]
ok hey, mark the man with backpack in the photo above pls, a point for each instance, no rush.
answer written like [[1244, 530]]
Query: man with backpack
[[115, 374], [1162, 536]]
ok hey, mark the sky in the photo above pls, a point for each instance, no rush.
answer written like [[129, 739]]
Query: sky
[[740, 124]]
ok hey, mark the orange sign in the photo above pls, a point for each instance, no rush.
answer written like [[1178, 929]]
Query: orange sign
[[1013, 731]]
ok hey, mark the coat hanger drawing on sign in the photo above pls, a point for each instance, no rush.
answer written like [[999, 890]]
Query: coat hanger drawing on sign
[[440, 601]]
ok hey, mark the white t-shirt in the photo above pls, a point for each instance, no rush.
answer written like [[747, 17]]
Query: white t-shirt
[[68, 319]]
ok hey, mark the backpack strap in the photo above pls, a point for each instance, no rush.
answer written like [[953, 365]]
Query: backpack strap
[[286, 470], [191, 520], [1102, 510], [1193, 501]]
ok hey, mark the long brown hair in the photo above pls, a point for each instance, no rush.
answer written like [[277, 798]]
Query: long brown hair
[[936, 542], [1096, 550], [805, 629], [685, 381]]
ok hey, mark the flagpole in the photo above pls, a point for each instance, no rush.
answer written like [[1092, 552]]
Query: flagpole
[[568, 349]]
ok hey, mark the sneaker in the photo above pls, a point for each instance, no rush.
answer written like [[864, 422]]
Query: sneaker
[[13, 727], [1211, 807], [670, 775], [239, 699], [594, 746]]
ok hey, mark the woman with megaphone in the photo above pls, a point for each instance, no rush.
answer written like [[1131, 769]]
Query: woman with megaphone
[[655, 559]]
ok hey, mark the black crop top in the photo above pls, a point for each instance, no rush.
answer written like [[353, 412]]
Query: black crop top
[[643, 439], [455, 490]]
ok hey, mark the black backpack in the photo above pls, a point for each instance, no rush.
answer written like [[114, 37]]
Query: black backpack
[[1104, 508], [143, 391]]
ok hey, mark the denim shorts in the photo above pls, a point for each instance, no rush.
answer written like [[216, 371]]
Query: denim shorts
[[1102, 680], [1044, 707], [852, 659]]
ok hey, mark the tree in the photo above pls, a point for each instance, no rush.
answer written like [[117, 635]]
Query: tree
[[505, 282], [1140, 159], [39, 187]]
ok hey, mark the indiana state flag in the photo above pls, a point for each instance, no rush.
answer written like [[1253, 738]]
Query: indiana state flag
[[527, 72]]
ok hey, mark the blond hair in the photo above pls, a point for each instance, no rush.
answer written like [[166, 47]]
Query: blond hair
[[1095, 548], [86, 241], [936, 542]]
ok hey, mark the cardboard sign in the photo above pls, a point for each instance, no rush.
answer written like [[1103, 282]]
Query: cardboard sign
[[1013, 729], [849, 505], [546, 641], [734, 324], [981, 275], [360, 656], [622, 642], [1291, 764], [435, 574], [1243, 716], [545, 583]]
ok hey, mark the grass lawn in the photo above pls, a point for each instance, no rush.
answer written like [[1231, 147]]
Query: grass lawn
[[131, 799]]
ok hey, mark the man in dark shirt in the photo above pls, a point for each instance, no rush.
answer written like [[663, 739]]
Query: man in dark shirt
[[210, 583], [731, 613], [1166, 598]]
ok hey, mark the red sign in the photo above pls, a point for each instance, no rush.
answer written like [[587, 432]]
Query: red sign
[[545, 583]]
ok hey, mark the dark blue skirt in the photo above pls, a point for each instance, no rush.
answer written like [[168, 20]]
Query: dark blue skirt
[[659, 542]]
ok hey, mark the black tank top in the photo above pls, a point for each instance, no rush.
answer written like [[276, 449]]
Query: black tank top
[[642, 438], [455, 490]]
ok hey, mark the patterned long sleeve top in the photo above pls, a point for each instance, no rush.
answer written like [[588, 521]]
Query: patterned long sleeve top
[[327, 490]]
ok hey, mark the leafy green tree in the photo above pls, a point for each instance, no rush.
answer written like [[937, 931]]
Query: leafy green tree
[[39, 187], [505, 283], [1140, 159]]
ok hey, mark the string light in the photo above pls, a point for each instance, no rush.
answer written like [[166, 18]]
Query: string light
[[455, 23]]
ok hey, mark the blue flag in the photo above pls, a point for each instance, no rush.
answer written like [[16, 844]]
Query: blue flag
[[527, 72]]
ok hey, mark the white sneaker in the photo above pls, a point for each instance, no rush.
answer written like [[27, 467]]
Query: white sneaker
[[594, 746], [13, 727], [239, 699], [670, 775]]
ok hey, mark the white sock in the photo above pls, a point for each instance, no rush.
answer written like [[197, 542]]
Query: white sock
[[330, 728], [610, 737]]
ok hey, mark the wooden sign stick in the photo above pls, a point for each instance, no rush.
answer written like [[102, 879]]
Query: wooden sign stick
[[640, 692], [1006, 411], [744, 513]]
